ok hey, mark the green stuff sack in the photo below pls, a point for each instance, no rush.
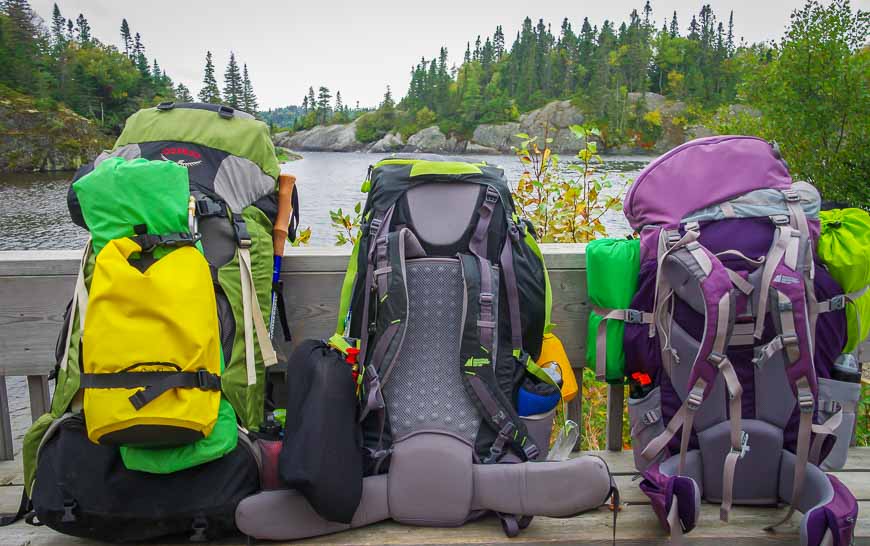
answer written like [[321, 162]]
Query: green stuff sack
[[166, 460], [844, 248], [612, 268]]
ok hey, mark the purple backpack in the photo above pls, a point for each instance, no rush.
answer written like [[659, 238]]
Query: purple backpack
[[738, 327]]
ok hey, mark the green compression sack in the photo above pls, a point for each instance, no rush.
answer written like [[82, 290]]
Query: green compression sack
[[612, 268], [844, 248]]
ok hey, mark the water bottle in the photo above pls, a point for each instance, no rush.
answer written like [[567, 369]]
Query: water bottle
[[846, 368]]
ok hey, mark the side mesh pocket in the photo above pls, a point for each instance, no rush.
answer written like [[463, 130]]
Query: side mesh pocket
[[645, 417], [833, 396]]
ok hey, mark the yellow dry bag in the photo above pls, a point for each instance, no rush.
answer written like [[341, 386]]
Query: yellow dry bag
[[151, 346]]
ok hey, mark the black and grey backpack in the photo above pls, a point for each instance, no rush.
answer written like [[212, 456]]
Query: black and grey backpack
[[446, 299]]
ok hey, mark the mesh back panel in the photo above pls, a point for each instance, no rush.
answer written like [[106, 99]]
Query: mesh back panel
[[424, 389]]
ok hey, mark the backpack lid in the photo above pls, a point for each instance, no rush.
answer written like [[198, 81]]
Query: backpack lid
[[700, 173], [215, 126], [392, 177]]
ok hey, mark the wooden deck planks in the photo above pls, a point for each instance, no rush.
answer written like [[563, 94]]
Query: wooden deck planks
[[636, 523]]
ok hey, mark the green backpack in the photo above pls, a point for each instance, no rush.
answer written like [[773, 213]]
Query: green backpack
[[232, 170]]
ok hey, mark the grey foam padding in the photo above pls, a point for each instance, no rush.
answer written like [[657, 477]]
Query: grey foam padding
[[817, 491], [846, 395], [547, 488], [712, 411], [756, 476], [284, 514], [540, 428], [638, 408], [441, 213], [430, 480], [424, 390], [550, 488], [685, 275], [774, 401]]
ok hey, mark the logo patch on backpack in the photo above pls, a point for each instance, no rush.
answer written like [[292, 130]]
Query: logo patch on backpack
[[179, 150], [785, 279]]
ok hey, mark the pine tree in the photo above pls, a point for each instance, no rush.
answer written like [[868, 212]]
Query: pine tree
[[58, 25], [70, 33], [83, 30], [323, 98], [312, 101], [339, 106], [388, 102], [140, 59], [675, 27], [249, 98], [233, 83], [156, 72], [182, 93], [126, 38], [305, 105], [209, 92], [729, 41], [19, 35], [498, 42]]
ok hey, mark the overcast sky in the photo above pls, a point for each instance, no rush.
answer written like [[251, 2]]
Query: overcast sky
[[357, 46]]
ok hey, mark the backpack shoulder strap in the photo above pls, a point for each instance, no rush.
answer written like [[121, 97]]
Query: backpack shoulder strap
[[477, 358]]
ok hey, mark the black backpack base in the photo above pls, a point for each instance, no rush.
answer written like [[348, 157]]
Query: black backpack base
[[84, 490]]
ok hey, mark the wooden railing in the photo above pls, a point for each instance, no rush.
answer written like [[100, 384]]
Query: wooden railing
[[35, 287]]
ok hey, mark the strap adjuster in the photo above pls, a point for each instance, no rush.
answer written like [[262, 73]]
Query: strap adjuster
[[789, 339], [205, 207], [633, 316], [243, 236], [837, 302], [226, 112], [805, 400], [491, 195], [830, 406], [531, 451], [780, 219], [791, 196], [375, 225], [695, 398], [166, 106], [717, 359], [744, 445], [486, 297], [651, 417]]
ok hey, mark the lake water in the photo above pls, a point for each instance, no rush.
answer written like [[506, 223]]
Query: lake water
[[33, 212]]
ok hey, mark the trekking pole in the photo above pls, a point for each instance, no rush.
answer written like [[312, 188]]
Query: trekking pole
[[286, 182]]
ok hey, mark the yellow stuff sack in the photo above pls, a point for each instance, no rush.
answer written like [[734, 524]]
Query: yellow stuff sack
[[151, 349]]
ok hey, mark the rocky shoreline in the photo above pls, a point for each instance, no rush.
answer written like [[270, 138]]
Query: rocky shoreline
[[551, 121], [37, 139]]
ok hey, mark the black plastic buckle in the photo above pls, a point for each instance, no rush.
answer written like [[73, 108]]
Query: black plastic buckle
[[202, 379], [491, 195], [199, 527], [68, 507], [206, 207], [243, 236], [226, 112], [166, 106], [374, 226]]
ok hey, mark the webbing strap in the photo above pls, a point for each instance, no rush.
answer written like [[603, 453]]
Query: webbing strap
[[822, 431], [665, 247], [648, 419], [680, 419], [506, 260], [771, 261], [477, 244], [739, 282], [507, 430], [79, 303], [155, 383], [787, 340], [701, 257], [630, 316], [839, 301], [806, 402], [377, 226], [253, 314]]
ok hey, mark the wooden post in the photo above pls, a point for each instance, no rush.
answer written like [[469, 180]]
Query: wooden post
[[575, 407], [37, 387], [615, 402], [6, 451]]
